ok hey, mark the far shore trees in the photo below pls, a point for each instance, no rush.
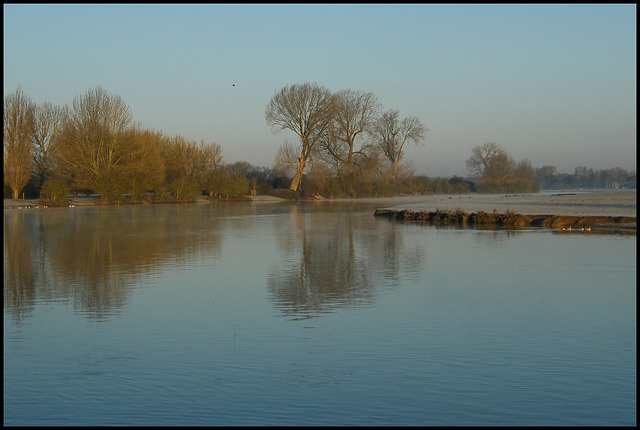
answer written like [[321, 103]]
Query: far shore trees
[[307, 110], [17, 138], [550, 179], [496, 171]]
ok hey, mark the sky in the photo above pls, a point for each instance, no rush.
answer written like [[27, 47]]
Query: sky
[[554, 84]]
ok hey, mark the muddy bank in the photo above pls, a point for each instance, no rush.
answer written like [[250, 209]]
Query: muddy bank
[[564, 222]]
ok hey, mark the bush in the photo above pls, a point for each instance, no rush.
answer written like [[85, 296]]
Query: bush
[[54, 192], [236, 186]]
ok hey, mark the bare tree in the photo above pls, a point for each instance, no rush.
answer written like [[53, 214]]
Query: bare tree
[[47, 125], [95, 141], [489, 165], [391, 134], [481, 158], [17, 137], [355, 113], [307, 110], [287, 159], [496, 171]]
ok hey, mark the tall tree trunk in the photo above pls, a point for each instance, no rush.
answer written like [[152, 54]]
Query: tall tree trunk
[[394, 172], [295, 184]]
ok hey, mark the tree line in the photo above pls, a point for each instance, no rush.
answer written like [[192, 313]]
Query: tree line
[[346, 142], [495, 171], [346, 146], [94, 146], [583, 177]]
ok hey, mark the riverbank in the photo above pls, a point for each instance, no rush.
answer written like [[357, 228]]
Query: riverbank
[[91, 201], [612, 203]]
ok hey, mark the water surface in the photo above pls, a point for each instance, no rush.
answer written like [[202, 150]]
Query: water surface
[[311, 314]]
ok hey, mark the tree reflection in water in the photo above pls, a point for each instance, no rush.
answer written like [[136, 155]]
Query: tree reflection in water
[[94, 256], [331, 255], [334, 260]]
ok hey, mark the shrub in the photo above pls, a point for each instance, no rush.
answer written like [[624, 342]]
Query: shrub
[[237, 186], [54, 192]]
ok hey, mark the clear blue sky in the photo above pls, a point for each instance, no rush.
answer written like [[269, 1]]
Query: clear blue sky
[[552, 83]]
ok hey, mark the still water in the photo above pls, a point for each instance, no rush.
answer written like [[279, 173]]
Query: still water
[[311, 314]]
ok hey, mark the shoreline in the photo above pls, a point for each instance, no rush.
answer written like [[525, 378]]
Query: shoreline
[[91, 201], [603, 203]]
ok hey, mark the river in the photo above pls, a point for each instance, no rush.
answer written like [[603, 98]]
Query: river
[[311, 313]]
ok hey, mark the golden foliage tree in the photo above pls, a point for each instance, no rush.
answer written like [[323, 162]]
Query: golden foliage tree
[[95, 142], [17, 139], [46, 128], [145, 168]]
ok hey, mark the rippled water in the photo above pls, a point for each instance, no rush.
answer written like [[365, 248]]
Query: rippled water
[[311, 314]]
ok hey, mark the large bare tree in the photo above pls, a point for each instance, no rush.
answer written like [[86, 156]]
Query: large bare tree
[[95, 141], [391, 133], [17, 136], [307, 110], [355, 113]]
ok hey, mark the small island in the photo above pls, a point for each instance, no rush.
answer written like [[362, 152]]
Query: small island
[[578, 211]]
